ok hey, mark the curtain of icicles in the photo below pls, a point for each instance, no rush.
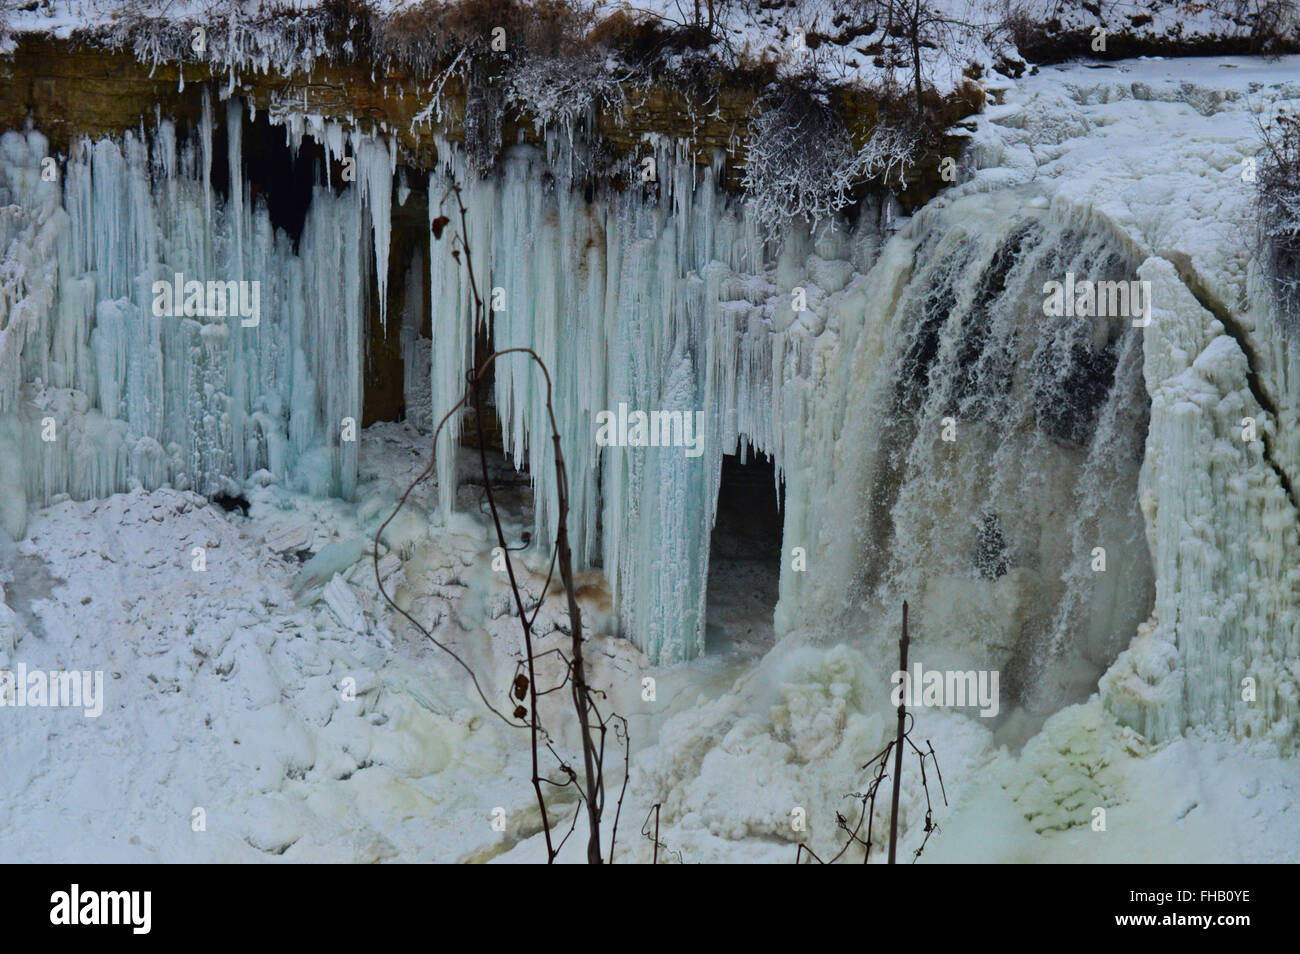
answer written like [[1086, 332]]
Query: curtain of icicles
[[194, 400], [637, 299]]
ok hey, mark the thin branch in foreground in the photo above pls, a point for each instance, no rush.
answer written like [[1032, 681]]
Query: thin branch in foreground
[[591, 788], [879, 763]]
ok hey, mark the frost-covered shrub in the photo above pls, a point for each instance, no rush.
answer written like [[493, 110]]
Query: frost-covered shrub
[[1278, 201], [471, 41], [801, 162], [430, 36], [557, 90], [350, 26], [890, 151], [245, 33], [1073, 767], [532, 57]]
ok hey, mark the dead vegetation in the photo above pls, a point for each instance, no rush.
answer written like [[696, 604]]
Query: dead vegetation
[[1277, 199]]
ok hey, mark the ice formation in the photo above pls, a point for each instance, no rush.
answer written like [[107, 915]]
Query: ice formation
[[99, 390], [628, 299], [940, 435], [833, 364]]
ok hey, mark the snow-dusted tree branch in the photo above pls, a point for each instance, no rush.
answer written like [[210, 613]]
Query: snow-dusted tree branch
[[801, 162], [891, 151]]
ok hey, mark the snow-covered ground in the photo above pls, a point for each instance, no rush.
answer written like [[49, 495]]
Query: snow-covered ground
[[223, 694], [226, 689], [244, 717], [226, 693]]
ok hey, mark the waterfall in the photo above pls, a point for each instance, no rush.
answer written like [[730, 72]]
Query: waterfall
[[978, 452]]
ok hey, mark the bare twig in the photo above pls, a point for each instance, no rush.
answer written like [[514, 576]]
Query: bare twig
[[654, 839], [898, 743], [592, 786], [880, 763]]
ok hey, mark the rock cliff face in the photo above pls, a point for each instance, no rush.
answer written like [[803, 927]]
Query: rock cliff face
[[70, 90]]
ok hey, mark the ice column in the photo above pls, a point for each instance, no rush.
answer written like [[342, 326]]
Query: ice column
[[630, 299]]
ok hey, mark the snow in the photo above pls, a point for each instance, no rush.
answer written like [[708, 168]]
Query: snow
[[1147, 19], [1193, 801]]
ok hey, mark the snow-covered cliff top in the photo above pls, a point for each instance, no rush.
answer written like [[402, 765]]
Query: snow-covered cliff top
[[841, 41]]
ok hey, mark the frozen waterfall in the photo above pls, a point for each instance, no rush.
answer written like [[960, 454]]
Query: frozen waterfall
[[941, 433]]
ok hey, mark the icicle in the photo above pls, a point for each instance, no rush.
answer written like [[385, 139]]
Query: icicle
[[650, 304], [376, 161], [205, 146], [451, 315]]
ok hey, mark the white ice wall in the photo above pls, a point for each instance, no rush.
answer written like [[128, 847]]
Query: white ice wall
[[946, 399], [1221, 649]]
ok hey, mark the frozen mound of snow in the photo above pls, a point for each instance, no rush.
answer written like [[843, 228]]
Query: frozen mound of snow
[[1074, 765], [241, 724]]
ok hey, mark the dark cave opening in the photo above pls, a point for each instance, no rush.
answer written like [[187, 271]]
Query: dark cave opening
[[744, 555], [511, 482], [277, 176], [409, 310]]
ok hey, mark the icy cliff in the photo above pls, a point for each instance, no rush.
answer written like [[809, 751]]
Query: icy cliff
[[1044, 487]]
